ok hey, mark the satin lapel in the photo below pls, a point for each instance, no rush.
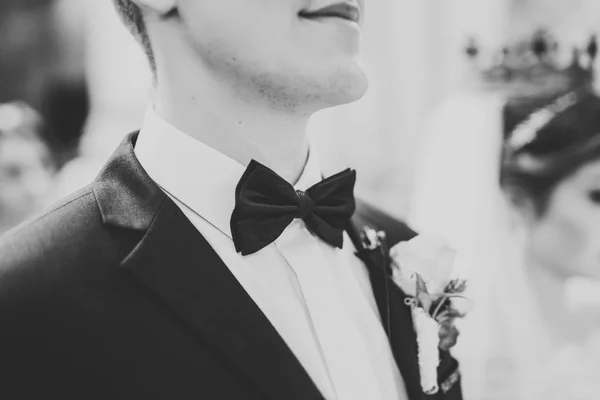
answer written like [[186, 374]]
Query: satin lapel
[[176, 263], [395, 316]]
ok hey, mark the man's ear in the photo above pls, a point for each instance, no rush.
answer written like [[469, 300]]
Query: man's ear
[[159, 7]]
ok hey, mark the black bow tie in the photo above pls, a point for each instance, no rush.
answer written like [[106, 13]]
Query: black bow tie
[[265, 204]]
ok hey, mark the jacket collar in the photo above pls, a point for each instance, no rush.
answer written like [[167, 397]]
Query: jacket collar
[[126, 195]]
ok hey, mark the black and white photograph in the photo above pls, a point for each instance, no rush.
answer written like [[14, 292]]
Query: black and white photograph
[[299, 199]]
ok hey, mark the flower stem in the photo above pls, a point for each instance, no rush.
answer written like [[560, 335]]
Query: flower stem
[[445, 298]]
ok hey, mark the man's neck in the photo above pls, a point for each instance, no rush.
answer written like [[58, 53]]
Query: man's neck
[[239, 129]]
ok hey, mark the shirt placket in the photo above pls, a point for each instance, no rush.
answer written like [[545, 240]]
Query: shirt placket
[[348, 364]]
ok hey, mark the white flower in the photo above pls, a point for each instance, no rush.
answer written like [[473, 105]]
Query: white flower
[[429, 256], [428, 341]]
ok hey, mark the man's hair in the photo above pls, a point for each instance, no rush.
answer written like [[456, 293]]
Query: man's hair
[[133, 18]]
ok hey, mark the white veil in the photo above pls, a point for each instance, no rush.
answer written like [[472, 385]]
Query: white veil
[[457, 194]]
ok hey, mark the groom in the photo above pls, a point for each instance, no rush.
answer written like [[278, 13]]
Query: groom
[[210, 259]]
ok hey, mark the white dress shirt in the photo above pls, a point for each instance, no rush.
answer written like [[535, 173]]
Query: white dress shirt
[[317, 297]]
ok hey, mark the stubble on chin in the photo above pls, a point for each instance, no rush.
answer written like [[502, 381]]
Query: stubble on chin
[[299, 94]]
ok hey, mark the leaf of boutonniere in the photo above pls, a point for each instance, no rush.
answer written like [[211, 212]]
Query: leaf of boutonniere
[[456, 286]]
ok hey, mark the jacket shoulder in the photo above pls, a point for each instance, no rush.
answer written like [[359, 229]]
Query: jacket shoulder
[[369, 215], [49, 231], [43, 257]]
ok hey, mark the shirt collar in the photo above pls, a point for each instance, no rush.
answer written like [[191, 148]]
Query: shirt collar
[[197, 175]]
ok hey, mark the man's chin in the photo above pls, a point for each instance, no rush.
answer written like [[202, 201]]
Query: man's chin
[[346, 88], [355, 92], [309, 93]]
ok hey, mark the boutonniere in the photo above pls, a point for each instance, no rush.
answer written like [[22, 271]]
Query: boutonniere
[[423, 269]]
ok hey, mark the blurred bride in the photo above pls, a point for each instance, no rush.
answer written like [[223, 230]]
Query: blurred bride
[[517, 189]]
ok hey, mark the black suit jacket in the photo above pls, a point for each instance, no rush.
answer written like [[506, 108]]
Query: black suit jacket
[[114, 294]]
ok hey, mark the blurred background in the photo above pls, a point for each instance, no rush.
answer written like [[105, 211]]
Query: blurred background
[[76, 66], [426, 141]]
